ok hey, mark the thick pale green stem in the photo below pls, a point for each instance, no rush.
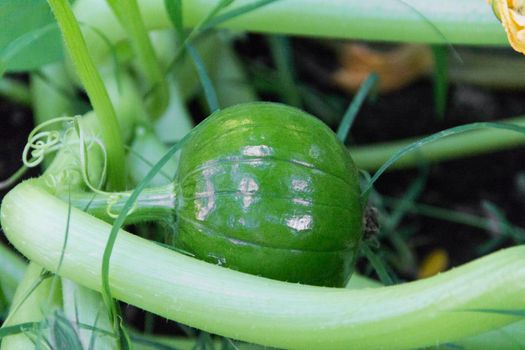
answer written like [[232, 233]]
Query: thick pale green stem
[[445, 21], [153, 204], [34, 297], [96, 91], [85, 306], [129, 15], [12, 268], [371, 157], [222, 301]]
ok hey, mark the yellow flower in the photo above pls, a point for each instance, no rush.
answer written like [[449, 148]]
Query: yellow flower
[[511, 13]]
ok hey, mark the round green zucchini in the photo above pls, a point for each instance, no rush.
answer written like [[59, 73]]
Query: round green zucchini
[[268, 189]]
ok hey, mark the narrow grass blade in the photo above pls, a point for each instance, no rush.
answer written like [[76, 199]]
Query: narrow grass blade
[[444, 133], [507, 229], [119, 221], [209, 90], [43, 276], [502, 230], [145, 161], [282, 57], [174, 9], [378, 265], [519, 312], [406, 202], [211, 20], [236, 12], [4, 303], [440, 54], [66, 235], [434, 28], [456, 217], [355, 106], [64, 334], [175, 14], [131, 19], [152, 343], [19, 328]]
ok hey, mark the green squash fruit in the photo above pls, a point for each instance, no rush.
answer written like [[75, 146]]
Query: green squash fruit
[[267, 189]]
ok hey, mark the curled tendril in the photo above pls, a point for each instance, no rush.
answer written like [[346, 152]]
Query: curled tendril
[[40, 143], [113, 199], [86, 142], [83, 152], [69, 175]]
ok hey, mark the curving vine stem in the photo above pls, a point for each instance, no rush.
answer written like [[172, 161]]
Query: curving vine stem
[[440, 309]]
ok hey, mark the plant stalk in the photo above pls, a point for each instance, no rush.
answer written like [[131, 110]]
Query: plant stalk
[[153, 204], [88, 74], [129, 16], [233, 304], [12, 269], [371, 157], [453, 22], [35, 297]]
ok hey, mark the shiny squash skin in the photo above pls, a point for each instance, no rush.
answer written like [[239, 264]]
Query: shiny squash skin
[[267, 189]]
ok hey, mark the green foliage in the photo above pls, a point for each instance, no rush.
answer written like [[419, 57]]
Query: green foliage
[[440, 54], [64, 335], [29, 27], [348, 118], [217, 20], [283, 60], [209, 90], [19, 328], [439, 135], [29, 37]]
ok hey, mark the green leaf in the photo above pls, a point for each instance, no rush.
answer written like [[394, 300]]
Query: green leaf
[[434, 137], [280, 48], [378, 265], [64, 334], [440, 54], [217, 20], [28, 36], [174, 9], [209, 90], [516, 312], [19, 328], [355, 106], [4, 305]]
